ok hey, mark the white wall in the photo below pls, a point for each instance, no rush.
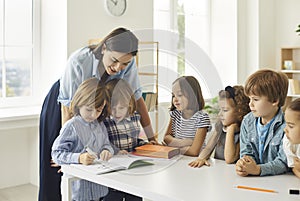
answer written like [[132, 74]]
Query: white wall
[[19, 156], [53, 42], [89, 20], [287, 18], [267, 34], [264, 27], [223, 36], [248, 42]]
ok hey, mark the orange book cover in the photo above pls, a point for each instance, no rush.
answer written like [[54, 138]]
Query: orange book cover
[[156, 151]]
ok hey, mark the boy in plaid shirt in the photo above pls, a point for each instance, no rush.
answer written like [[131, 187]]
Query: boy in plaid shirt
[[122, 126]]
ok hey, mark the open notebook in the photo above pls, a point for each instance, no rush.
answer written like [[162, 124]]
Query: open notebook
[[117, 162]]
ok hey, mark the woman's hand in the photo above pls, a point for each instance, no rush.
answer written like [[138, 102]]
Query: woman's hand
[[53, 164]]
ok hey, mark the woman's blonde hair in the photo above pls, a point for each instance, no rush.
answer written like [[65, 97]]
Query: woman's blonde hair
[[121, 92], [91, 93]]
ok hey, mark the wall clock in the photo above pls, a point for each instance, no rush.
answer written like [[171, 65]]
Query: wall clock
[[116, 7]]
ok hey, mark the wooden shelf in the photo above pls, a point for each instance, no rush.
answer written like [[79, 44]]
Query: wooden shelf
[[147, 63], [290, 65], [291, 71], [294, 95]]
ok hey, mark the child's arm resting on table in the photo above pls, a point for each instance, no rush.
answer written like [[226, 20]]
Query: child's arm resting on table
[[206, 152], [248, 165], [174, 142], [276, 164], [198, 141], [231, 150]]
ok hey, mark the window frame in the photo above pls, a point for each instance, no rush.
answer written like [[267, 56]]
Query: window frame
[[173, 13], [32, 100]]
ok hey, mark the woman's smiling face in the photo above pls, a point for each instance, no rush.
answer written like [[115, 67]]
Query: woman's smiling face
[[115, 61]]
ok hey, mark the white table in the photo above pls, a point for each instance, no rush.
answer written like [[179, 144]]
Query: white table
[[181, 182]]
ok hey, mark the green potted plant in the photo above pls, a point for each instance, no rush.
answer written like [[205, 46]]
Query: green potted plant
[[298, 30], [212, 108]]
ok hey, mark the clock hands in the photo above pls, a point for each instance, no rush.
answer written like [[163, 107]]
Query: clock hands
[[115, 7], [115, 2]]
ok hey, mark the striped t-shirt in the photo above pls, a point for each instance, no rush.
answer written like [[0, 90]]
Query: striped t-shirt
[[186, 128]]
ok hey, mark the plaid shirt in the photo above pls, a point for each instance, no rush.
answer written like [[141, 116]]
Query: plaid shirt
[[124, 134]]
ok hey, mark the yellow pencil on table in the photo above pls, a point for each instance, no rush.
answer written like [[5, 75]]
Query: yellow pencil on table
[[257, 189]]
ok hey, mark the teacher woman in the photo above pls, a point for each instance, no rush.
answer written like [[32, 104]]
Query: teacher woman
[[113, 57]]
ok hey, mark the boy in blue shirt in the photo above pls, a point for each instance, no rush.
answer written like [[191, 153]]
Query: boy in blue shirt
[[261, 150]]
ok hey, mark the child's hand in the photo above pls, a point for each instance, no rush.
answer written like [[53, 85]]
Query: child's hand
[[250, 166], [296, 168], [239, 168], [247, 165], [233, 128], [153, 142], [122, 152], [105, 155], [297, 163], [199, 163], [86, 158]]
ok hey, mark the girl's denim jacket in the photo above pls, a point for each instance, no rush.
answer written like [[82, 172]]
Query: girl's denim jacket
[[274, 158]]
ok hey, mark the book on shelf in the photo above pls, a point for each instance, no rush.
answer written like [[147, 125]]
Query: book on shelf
[[116, 163], [156, 151], [288, 65]]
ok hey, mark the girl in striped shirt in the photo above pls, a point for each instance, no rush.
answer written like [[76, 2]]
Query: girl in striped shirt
[[188, 124]]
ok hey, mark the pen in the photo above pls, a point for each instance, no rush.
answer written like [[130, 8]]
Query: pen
[[91, 152], [256, 189]]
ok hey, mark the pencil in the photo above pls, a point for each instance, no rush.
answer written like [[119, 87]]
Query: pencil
[[257, 189]]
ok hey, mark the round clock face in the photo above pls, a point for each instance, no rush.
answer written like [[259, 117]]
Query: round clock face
[[116, 7]]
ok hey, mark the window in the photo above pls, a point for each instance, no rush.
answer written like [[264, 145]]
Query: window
[[189, 22], [17, 49]]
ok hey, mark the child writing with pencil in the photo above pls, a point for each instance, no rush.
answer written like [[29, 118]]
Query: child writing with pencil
[[188, 124], [262, 129], [233, 105], [84, 138], [122, 126], [291, 140]]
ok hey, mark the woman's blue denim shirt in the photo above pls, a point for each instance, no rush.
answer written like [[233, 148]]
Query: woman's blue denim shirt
[[274, 158]]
